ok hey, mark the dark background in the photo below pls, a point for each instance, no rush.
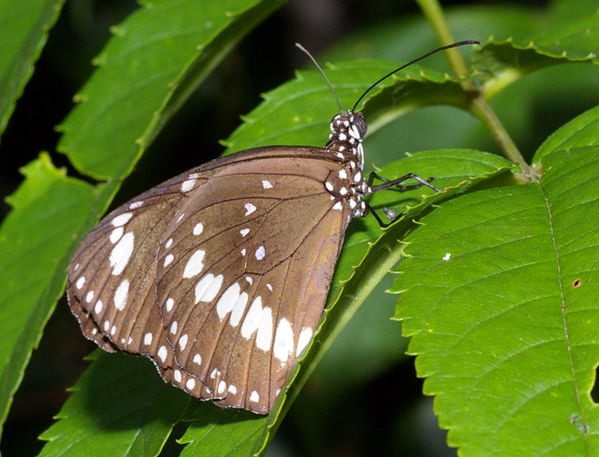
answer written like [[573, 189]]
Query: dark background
[[388, 415]]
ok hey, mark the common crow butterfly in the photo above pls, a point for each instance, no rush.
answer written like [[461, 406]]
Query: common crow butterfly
[[220, 275]]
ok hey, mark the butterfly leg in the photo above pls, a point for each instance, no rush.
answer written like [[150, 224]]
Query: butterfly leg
[[395, 183]]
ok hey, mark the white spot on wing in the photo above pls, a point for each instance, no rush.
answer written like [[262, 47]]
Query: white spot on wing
[[303, 340], [177, 375], [254, 397], [284, 341], [198, 229], [197, 359], [80, 282], [121, 220], [116, 234], [174, 326], [338, 206], [252, 319], [136, 204], [168, 259], [244, 231], [342, 174], [183, 342], [195, 264], [121, 253], [208, 287], [90, 296], [260, 253], [120, 295], [222, 386], [249, 209], [169, 304], [168, 243], [238, 310], [148, 339], [98, 307], [227, 301], [190, 384], [266, 184], [232, 389], [264, 336], [188, 185], [162, 353]]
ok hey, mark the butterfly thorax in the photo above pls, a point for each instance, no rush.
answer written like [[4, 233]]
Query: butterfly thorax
[[345, 141]]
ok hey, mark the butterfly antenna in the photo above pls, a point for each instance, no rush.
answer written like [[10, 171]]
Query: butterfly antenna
[[442, 48], [322, 73]]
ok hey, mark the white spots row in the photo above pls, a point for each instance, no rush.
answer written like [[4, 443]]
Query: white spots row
[[198, 229], [243, 252], [260, 253], [254, 397], [190, 383], [338, 206], [177, 375], [250, 280], [269, 286], [120, 295], [230, 300], [168, 243], [90, 296], [208, 287], [249, 209], [116, 234], [168, 259], [342, 174], [215, 373], [266, 184], [99, 306], [244, 231], [136, 204], [197, 359], [329, 186], [195, 264], [148, 339], [106, 325], [174, 327], [232, 389], [121, 253], [80, 282], [121, 219]]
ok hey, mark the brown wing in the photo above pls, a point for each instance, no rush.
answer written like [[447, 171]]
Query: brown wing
[[238, 255]]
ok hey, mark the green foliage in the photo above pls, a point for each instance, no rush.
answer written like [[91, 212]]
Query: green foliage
[[499, 274]]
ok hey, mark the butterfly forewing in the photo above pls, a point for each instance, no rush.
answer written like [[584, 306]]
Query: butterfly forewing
[[226, 263]]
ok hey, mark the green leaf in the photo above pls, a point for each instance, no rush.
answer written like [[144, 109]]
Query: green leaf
[[154, 60], [24, 29], [553, 39], [581, 131], [36, 241], [499, 296], [223, 432], [118, 407]]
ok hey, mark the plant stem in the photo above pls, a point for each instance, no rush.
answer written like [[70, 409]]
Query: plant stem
[[478, 105]]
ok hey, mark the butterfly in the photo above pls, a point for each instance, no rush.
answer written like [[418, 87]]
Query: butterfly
[[220, 275]]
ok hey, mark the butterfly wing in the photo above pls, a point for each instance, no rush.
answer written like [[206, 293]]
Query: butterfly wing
[[243, 276], [220, 275]]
